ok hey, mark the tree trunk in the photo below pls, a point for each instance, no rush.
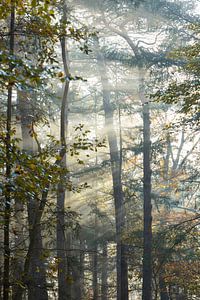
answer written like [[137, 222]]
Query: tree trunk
[[32, 233], [7, 212], [19, 244], [78, 272], [82, 261], [95, 273], [37, 287], [77, 275], [61, 244], [122, 271], [33, 241], [147, 235], [37, 272], [163, 289], [104, 273], [64, 286]]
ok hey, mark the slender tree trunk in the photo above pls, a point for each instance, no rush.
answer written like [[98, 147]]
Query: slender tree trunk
[[19, 205], [122, 271], [82, 264], [78, 272], [64, 288], [95, 238], [77, 275], [6, 274], [19, 244], [1, 283], [147, 250], [61, 244], [37, 287], [163, 289], [95, 273], [104, 273]]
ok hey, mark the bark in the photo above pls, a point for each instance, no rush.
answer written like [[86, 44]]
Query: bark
[[64, 286], [6, 273], [61, 245], [19, 244], [82, 261], [1, 283], [78, 271], [37, 286], [104, 274], [95, 273], [147, 235], [122, 272]]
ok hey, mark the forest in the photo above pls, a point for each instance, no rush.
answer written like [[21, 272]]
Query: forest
[[99, 149]]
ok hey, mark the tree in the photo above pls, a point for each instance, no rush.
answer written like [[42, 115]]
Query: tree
[[122, 276], [7, 212], [29, 24], [184, 93]]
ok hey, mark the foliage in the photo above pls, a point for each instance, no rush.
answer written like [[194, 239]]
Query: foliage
[[184, 90], [173, 252]]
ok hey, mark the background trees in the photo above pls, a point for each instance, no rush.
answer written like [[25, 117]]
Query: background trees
[[79, 83]]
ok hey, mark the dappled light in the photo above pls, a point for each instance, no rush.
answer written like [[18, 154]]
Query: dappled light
[[99, 150]]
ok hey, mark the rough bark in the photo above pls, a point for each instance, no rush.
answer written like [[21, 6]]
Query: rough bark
[[6, 273], [122, 271]]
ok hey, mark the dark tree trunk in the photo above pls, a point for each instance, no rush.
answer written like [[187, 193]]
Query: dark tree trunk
[[37, 287], [147, 250], [32, 243], [1, 283], [78, 270], [37, 273], [95, 273], [6, 273], [104, 273], [122, 271], [61, 245], [78, 275], [163, 289], [82, 262], [19, 244]]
